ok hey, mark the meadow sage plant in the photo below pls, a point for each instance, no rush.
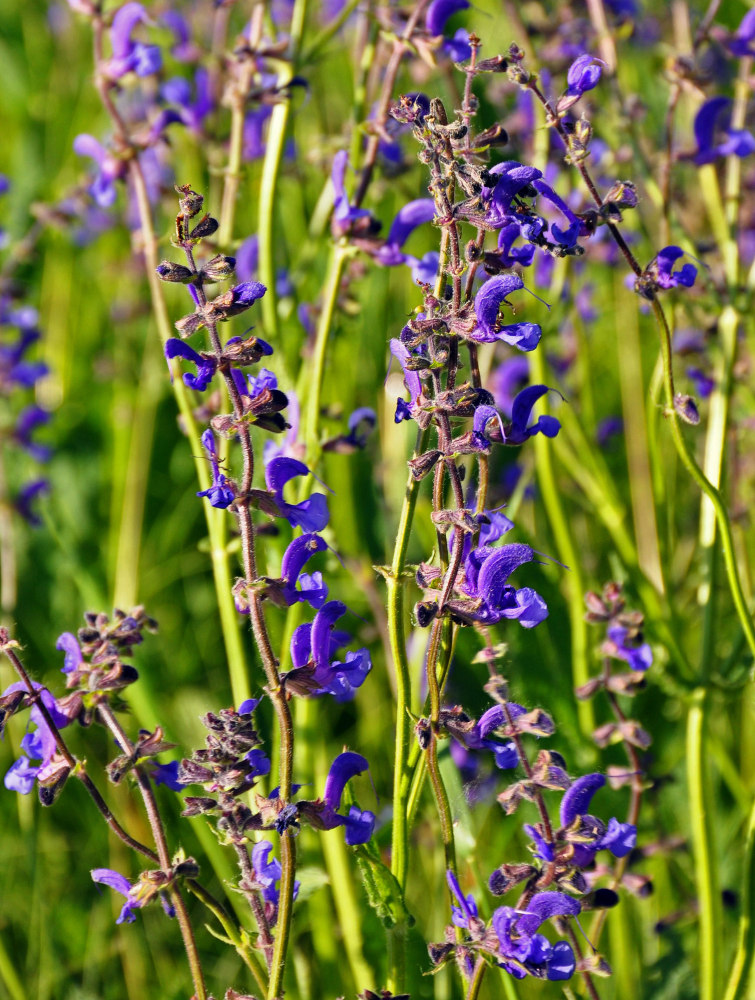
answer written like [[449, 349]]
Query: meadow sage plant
[[395, 357]]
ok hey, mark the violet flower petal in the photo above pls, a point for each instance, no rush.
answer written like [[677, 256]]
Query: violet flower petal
[[346, 766]]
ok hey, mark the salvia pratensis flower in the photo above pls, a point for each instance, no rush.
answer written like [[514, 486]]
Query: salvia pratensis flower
[[488, 301], [267, 873], [660, 274], [712, 118], [742, 42], [487, 570], [413, 214], [220, 494], [131, 56], [311, 514], [322, 813], [110, 169], [467, 908], [522, 950], [313, 648], [343, 213], [38, 745], [583, 75], [138, 894], [205, 363]]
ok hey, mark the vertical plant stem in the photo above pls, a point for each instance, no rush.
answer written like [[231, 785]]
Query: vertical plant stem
[[706, 876], [276, 141], [741, 972], [158, 833], [567, 552]]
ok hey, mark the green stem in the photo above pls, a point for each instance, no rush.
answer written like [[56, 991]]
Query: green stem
[[276, 141], [476, 981], [708, 896], [243, 950], [736, 988], [710, 491], [567, 553], [312, 374], [221, 569]]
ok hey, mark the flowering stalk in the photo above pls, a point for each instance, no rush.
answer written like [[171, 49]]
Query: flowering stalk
[[258, 623], [76, 768], [218, 549], [163, 856], [682, 447]]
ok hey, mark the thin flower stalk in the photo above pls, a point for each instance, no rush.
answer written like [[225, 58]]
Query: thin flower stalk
[[107, 716], [219, 555]]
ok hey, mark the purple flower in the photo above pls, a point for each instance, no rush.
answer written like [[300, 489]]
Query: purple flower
[[703, 382], [26, 495], [504, 754], [637, 654], [511, 255], [38, 744], [711, 118], [467, 908], [618, 838], [192, 109], [665, 276], [128, 55], [486, 571], [741, 42], [245, 294], [487, 304], [294, 559], [359, 824], [317, 643], [166, 774], [102, 188], [254, 130], [247, 258], [519, 431], [267, 872], [439, 11], [175, 348], [525, 951], [220, 494], [69, 644], [404, 410], [311, 514], [114, 880], [343, 213], [457, 48], [28, 419], [583, 74], [406, 221]]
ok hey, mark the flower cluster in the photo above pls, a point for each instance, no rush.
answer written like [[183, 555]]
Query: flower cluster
[[19, 374]]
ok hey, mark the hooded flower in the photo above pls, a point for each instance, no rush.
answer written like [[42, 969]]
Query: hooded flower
[[406, 221], [523, 950], [712, 118], [486, 571], [322, 813], [594, 835], [487, 304], [315, 645], [311, 514], [220, 494], [38, 744]]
